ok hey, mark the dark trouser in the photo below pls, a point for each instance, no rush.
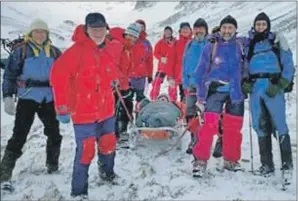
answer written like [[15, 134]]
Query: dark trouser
[[24, 118], [122, 118]]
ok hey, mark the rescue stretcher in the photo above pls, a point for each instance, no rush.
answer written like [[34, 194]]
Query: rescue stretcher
[[155, 134]]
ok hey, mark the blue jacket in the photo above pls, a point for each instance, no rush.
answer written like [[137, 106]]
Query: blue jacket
[[264, 60], [191, 57], [226, 66], [35, 67]]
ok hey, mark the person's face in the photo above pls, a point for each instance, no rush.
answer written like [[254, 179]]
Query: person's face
[[130, 39], [96, 33], [261, 26], [167, 33], [199, 31], [142, 27], [227, 31], [185, 31], [39, 36]]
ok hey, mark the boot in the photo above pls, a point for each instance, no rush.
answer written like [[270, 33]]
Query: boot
[[286, 152], [286, 158], [233, 166], [265, 148], [217, 152], [7, 165], [199, 168], [109, 177], [53, 153]]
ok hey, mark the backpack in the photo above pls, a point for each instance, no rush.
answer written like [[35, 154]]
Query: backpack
[[276, 50], [11, 46]]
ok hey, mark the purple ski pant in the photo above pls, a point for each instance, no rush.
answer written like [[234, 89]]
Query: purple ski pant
[[90, 133]]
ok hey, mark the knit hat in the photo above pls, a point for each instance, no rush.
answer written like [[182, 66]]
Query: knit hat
[[229, 20], [133, 29], [96, 20], [38, 24], [263, 16], [184, 24], [201, 23], [168, 28]]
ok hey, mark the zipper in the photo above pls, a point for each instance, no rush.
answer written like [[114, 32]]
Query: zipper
[[97, 78]]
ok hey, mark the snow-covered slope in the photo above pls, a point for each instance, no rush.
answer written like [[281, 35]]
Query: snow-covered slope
[[147, 178]]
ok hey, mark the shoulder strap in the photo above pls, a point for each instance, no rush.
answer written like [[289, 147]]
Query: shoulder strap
[[276, 51], [212, 54], [241, 48], [54, 53]]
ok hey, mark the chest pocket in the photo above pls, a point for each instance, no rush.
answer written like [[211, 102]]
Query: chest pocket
[[37, 68]]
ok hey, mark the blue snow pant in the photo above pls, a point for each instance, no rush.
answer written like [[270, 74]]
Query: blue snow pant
[[274, 105], [87, 136]]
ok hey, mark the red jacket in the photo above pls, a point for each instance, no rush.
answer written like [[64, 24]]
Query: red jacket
[[180, 46], [140, 64], [117, 33], [164, 48], [148, 52], [81, 79]]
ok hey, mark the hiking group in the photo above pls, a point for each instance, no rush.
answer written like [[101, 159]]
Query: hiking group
[[216, 71]]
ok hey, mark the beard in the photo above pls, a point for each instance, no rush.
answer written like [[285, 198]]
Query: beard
[[227, 36]]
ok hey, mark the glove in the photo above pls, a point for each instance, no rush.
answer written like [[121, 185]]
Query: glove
[[164, 60], [149, 79], [247, 87], [9, 106], [200, 106], [274, 89], [65, 118]]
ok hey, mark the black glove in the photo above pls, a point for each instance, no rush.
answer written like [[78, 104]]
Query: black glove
[[149, 79]]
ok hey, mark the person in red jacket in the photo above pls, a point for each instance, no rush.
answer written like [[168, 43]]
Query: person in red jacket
[[149, 49], [184, 37], [164, 52], [141, 66], [129, 57], [81, 79]]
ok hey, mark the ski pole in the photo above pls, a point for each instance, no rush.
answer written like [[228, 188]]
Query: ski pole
[[250, 137]]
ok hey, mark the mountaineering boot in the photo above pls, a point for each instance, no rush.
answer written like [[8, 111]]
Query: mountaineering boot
[[233, 166], [265, 148], [53, 153], [7, 165], [79, 197], [286, 157], [199, 168]]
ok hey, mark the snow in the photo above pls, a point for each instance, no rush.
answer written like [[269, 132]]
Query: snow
[[147, 178]]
